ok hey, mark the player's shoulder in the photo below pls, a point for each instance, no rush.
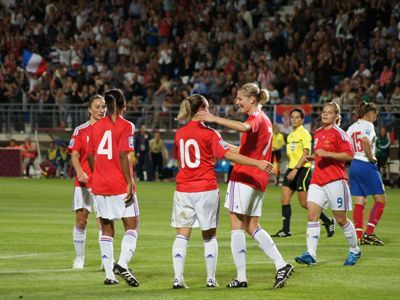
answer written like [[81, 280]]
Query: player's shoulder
[[79, 129], [126, 124], [318, 130], [340, 133]]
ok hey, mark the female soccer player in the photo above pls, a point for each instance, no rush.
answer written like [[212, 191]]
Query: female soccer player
[[298, 175], [110, 144], [83, 201], [247, 184], [365, 178], [328, 186], [196, 199]]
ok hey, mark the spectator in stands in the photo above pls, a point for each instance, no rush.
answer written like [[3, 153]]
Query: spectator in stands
[[63, 161], [157, 152], [13, 144], [49, 164], [382, 150], [29, 154], [142, 151]]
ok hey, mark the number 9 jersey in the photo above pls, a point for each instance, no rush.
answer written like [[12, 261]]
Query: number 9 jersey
[[106, 140], [195, 147], [357, 132]]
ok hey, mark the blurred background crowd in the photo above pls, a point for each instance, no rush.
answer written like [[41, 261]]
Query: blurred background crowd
[[160, 51]]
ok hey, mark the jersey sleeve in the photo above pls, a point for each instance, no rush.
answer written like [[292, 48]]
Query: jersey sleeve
[[306, 140], [90, 144], [219, 147], [344, 144], [126, 143], [254, 123], [75, 143], [368, 132]]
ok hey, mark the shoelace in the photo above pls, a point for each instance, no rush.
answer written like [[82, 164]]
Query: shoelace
[[280, 274]]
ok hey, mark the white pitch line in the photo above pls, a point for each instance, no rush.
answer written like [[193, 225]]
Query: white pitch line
[[19, 256]]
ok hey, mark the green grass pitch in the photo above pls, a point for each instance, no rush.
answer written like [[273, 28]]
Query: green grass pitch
[[36, 251]]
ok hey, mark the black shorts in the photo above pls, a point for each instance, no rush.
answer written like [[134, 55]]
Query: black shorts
[[277, 154], [301, 181]]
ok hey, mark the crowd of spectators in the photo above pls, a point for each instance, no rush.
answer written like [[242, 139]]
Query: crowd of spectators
[[160, 51]]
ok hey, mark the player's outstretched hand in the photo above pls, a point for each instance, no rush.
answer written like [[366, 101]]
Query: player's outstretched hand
[[310, 157], [130, 196], [266, 166], [205, 116], [322, 153], [82, 177]]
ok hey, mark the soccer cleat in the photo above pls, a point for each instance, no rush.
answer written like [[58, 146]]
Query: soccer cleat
[[111, 281], [126, 275], [212, 283], [330, 227], [78, 263], [352, 258], [237, 284], [371, 239], [179, 285], [306, 259], [282, 233], [282, 275]]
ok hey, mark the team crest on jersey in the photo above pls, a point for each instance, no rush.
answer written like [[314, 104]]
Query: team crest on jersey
[[130, 139], [71, 142], [224, 144], [368, 131]]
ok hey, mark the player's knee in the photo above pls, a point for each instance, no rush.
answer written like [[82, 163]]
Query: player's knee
[[81, 223]]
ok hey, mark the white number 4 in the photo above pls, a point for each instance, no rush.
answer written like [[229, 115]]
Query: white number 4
[[105, 146]]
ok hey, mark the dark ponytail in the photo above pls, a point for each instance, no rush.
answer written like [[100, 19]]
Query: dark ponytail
[[364, 108], [115, 101]]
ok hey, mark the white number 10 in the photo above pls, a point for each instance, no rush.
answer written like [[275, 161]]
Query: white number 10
[[185, 154], [105, 146]]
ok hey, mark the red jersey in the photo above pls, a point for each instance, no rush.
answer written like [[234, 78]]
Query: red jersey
[[327, 169], [107, 139], [195, 148], [256, 144], [79, 142]]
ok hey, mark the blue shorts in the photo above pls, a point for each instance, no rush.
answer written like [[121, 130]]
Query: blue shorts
[[365, 179]]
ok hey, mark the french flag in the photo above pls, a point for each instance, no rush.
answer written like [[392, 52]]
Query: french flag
[[33, 62]]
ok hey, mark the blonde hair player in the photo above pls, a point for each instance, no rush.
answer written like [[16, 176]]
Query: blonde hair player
[[247, 185], [329, 188], [196, 199]]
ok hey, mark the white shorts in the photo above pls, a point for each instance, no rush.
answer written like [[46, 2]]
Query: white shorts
[[243, 199], [334, 195], [83, 198], [113, 207], [199, 209]]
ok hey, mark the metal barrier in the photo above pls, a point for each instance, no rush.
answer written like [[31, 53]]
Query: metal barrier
[[21, 118]]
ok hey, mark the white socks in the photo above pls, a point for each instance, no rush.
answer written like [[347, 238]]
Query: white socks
[[128, 247], [238, 248], [313, 233], [211, 256], [79, 238], [351, 236], [268, 246], [178, 256], [107, 255]]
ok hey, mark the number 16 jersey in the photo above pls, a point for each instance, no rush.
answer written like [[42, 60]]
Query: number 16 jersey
[[356, 132], [106, 140]]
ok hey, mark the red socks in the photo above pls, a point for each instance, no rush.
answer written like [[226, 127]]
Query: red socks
[[374, 217], [358, 219]]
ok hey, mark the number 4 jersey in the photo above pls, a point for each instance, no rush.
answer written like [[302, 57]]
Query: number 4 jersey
[[357, 132], [195, 147], [106, 141]]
